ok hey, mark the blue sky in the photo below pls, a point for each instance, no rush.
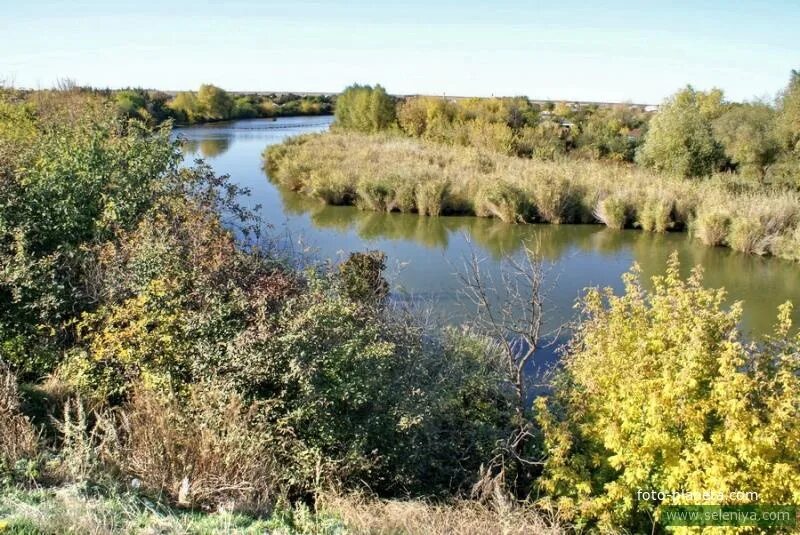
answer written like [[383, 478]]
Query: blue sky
[[609, 51]]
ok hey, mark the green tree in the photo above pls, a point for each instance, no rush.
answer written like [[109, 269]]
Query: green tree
[[680, 139], [747, 133], [711, 103], [381, 109], [130, 102], [604, 134], [412, 116], [215, 103], [186, 106], [789, 115], [243, 108], [365, 109], [545, 141]]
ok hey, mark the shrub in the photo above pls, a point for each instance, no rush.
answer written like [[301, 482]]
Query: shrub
[[544, 141], [606, 134], [207, 449], [712, 226], [212, 371], [503, 201], [370, 398], [430, 194], [141, 339], [557, 200], [660, 391], [79, 182], [428, 117], [613, 212], [362, 277], [656, 214], [327, 365], [412, 116], [374, 196], [333, 187]]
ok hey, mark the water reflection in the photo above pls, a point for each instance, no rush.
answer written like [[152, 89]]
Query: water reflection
[[207, 148], [584, 255]]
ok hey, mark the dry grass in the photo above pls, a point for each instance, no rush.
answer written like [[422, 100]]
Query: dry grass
[[19, 439], [72, 509], [379, 517], [391, 173], [207, 450]]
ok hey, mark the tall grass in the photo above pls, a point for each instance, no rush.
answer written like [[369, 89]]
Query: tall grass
[[74, 509], [208, 450], [417, 517], [386, 172], [19, 440]]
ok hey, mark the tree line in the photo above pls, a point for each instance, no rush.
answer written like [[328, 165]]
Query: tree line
[[212, 103], [208, 103], [693, 133]]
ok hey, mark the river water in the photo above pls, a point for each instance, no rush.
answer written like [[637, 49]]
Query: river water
[[424, 253]]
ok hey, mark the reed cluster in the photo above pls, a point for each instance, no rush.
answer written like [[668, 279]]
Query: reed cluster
[[387, 172]]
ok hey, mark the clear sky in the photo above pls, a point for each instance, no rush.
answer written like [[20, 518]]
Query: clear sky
[[609, 51]]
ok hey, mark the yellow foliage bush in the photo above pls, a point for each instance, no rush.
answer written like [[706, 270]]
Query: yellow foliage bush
[[660, 392], [139, 339]]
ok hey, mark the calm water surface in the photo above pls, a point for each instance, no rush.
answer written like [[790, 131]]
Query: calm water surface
[[425, 252]]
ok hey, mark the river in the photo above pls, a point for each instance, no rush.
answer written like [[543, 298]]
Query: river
[[425, 252]]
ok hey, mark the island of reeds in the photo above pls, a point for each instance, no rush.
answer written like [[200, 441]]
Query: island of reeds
[[725, 172]]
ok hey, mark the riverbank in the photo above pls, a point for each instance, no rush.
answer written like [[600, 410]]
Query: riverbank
[[72, 509], [386, 172]]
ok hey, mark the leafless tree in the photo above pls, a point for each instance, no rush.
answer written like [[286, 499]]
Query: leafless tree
[[509, 309]]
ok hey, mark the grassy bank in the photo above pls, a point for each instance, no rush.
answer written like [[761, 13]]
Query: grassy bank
[[73, 509], [386, 172]]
